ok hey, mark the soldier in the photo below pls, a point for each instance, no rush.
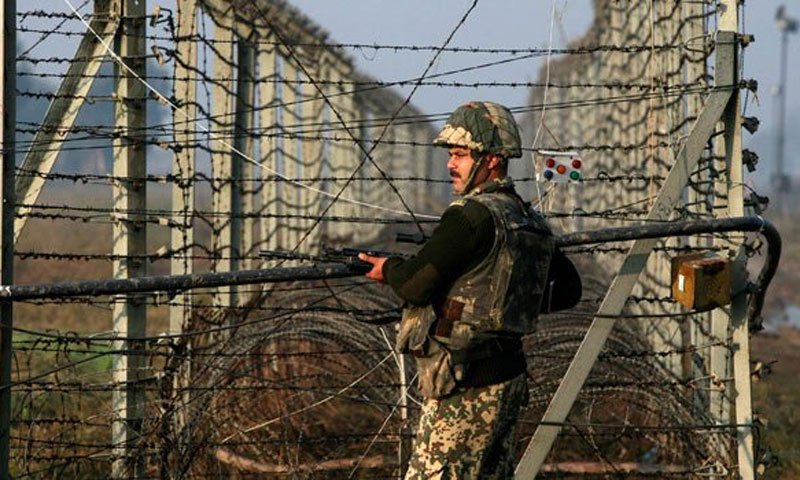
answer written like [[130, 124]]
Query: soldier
[[472, 292]]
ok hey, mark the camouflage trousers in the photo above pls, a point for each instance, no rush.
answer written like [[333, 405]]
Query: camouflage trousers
[[469, 434]]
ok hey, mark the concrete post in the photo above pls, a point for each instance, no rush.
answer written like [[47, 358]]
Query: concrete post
[[183, 190], [339, 155], [130, 239], [269, 92], [312, 128], [225, 196], [740, 344], [64, 109], [244, 143], [290, 153]]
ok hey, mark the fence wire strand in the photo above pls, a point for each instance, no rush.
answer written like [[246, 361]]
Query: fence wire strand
[[294, 380]]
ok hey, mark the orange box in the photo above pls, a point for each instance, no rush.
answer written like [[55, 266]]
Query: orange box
[[701, 281]]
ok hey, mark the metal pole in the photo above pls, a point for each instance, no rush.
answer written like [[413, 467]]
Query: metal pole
[[130, 238], [781, 180], [8, 125], [172, 283]]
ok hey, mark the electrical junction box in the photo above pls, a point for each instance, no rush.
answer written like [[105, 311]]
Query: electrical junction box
[[559, 167], [701, 281]]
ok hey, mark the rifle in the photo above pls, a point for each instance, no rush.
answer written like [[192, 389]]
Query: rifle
[[347, 256]]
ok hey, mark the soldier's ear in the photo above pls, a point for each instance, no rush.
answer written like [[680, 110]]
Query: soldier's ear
[[495, 161]]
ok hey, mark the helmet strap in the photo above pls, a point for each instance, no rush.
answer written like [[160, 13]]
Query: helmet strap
[[473, 172]]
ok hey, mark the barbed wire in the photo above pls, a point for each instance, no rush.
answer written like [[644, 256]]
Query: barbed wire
[[200, 177], [298, 352]]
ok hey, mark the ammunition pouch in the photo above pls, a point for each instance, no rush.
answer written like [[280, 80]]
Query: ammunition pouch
[[445, 364]]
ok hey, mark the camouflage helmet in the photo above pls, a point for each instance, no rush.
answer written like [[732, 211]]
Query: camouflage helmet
[[485, 127]]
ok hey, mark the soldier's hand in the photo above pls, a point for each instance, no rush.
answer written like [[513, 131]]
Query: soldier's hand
[[377, 266]]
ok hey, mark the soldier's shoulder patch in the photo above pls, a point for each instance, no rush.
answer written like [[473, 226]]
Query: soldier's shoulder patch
[[458, 203]]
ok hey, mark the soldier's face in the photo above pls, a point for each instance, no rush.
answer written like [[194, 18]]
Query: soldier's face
[[459, 166]]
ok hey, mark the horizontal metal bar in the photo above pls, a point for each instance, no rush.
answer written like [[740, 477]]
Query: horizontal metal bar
[[695, 227], [335, 270], [671, 229], [178, 282]]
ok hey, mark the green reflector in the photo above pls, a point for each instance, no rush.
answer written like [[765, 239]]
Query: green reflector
[[574, 175]]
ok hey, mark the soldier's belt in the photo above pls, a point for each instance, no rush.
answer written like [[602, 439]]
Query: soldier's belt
[[490, 371], [490, 362], [494, 349]]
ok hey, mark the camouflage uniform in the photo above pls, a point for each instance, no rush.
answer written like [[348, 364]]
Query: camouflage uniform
[[467, 346], [469, 435]]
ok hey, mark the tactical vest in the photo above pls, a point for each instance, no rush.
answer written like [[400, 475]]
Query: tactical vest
[[504, 292], [496, 301]]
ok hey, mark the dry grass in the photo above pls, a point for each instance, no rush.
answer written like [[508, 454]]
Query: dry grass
[[775, 398], [71, 236]]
